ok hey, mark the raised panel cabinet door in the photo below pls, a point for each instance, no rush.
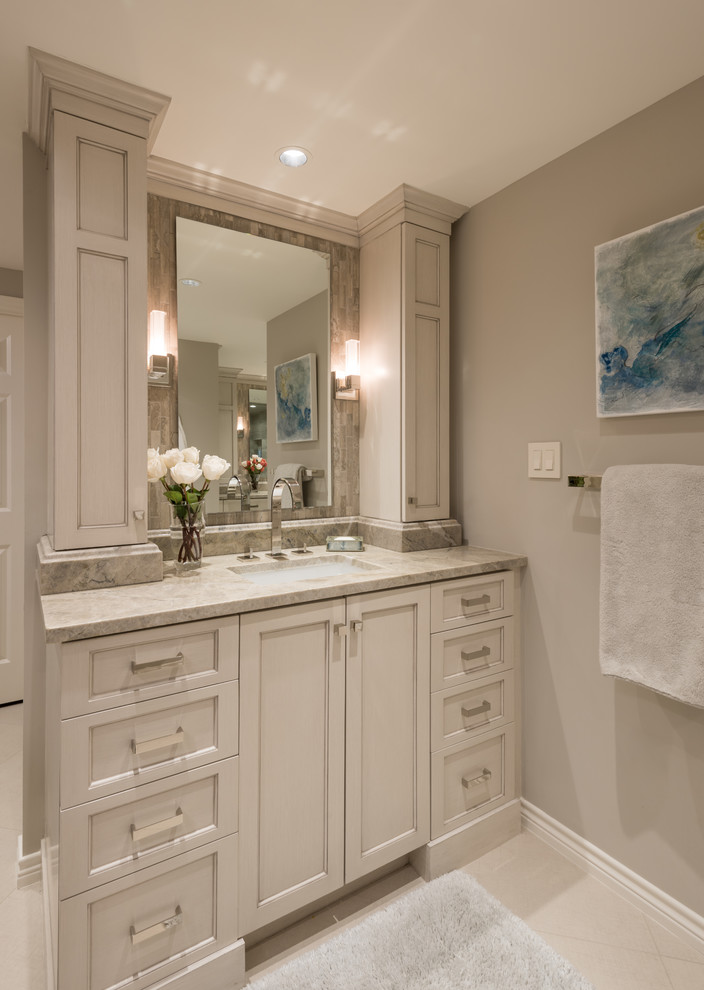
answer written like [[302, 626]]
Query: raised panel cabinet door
[[99, 277], [292, 679], [388, 685], [425, 357]]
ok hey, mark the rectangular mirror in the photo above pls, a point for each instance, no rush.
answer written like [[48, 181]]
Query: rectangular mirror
[[333, 490], [246, 305]]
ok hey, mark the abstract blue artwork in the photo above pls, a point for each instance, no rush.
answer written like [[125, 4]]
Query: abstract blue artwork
[[650, 319], [296, 400]]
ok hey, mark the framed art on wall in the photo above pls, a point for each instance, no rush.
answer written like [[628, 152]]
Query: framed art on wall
[[650, 319], [296, 400]]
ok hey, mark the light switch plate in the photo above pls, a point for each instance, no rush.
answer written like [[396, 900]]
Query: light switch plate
[[544, 459]]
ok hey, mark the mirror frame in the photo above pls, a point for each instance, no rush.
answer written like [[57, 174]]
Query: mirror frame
[[344, 324]]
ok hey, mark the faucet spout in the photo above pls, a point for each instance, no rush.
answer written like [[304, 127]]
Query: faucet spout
[[234, 486], [294, 490]]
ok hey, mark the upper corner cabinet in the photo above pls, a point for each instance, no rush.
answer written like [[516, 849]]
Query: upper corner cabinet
[[405, 344], [96, 132]]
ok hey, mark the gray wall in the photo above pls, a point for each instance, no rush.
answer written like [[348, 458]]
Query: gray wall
[[620, 765], [198, 401], [305, 329], [11, 282]]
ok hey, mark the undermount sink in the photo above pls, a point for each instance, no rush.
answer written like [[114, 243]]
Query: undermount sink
[[301, 569]]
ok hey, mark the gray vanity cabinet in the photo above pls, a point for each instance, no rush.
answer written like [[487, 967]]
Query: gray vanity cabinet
[[334, 765]]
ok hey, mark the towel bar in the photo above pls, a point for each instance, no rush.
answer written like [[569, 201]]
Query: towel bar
[[592, 481]]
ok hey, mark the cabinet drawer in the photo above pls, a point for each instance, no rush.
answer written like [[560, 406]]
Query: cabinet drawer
[[123, 833], [138, 930], [115, 670], [110, 751], [469, 779], [457, 656], [458, 713], [472, 599]]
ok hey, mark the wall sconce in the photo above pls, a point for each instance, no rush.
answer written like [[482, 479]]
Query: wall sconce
[[348, 387], [240, 427], [160, 362]]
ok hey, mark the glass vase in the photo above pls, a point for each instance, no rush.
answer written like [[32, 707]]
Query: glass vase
[[187, 526], [255, 481]]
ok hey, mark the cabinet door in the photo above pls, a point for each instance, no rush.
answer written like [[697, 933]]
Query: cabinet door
[[426, 373], [388, 684], [292, 679], [99, 335]]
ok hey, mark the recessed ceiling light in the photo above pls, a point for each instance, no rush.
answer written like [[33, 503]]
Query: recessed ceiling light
[[293, 157], [190, 281]]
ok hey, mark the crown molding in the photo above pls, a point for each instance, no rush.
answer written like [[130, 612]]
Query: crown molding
[[58, 84], [412, 205], [176, 181]]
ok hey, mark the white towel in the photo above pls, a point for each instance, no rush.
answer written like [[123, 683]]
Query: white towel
[[652, 578], [294, 471]]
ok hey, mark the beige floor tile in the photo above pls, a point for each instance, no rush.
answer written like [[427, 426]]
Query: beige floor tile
[[672, 946], [21, 945], [8, 862], [610, 967], [10, 732], [684, 975]]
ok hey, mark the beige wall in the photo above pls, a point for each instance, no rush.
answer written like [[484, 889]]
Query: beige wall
[[620, 765]]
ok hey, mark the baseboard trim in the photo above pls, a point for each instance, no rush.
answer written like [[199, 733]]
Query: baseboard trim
[[29, 868], [671, 914]]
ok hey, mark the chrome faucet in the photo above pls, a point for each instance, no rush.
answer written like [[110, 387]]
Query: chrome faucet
[[277, 491], [234, 485]]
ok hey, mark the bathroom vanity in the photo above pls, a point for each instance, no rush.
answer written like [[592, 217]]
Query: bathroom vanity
[[230, 748]]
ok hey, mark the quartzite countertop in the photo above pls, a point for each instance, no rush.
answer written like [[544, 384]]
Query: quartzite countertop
[[214, 590]]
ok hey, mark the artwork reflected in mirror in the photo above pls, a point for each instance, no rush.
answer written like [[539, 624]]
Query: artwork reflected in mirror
[[247, 305]]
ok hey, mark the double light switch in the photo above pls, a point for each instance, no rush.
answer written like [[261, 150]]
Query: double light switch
[[544, 459]]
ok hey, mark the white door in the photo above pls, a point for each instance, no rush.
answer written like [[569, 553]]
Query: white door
[[11, 498]]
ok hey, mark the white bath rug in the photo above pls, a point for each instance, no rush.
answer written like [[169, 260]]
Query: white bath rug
[[449, 934]]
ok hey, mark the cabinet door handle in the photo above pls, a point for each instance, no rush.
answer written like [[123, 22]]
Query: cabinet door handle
[[476, 654], [357, 625], [160, 742], [139, 665], [469, 602], [479, 710], [156, 827], [473, 781], [341, 629], [158, 928], [412, 500]]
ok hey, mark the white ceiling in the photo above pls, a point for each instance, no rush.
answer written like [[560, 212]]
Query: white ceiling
[[457, 97]]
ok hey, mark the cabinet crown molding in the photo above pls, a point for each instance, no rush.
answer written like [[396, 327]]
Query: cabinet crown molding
[[57, 84], [407, 203]]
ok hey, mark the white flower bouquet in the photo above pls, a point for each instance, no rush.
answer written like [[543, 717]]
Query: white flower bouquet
[[182, 492]]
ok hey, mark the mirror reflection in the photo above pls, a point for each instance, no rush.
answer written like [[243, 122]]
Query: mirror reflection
[[248, 305]]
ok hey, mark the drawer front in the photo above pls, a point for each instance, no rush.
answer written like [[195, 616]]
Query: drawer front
[[459, 713], [460, 655], [138, 930], [110, 671], [118, 835], [111, 751], [470, 779], [472, 599]]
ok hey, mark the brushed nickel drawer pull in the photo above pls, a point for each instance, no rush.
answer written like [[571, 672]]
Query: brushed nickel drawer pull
[[139, 665], [482, 600], [469, 712], [476, 654], [156, 827], [473, 781], [157, 929], [161, 742]]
